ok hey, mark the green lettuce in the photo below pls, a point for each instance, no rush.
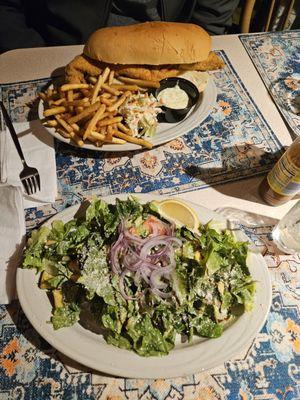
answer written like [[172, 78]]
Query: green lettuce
[[65, 316]]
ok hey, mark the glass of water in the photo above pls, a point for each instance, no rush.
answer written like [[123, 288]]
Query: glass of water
[[286, 233]]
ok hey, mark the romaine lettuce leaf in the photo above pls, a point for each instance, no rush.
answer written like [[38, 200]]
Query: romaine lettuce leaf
[[65, 316], [147, 339], [204, 326], [95, 275], [33, 255]]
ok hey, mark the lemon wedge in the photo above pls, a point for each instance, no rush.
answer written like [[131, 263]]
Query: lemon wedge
[[178, 212]]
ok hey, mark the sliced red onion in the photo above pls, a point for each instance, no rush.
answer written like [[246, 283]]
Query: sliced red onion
[[145, 273], [132, 237], [149, 259], [153, 242], [114, 255]]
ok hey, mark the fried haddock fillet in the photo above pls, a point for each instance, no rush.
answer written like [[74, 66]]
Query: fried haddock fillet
[[78, 68], [212, 63], [82, 66]]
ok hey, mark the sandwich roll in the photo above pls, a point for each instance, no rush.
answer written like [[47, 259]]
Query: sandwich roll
[[148, 51], [150, 43]]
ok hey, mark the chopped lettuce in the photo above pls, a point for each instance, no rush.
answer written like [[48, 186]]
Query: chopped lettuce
[[95, 275], [65, 316]]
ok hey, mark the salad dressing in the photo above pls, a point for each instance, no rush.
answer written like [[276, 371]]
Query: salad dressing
[[173, 97]]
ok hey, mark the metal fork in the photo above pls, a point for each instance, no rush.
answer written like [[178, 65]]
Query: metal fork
[[29, 176]]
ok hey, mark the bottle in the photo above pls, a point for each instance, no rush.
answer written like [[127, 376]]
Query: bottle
[[283, 182]]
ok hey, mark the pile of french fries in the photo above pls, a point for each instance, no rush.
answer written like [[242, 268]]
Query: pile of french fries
[[90, 111]]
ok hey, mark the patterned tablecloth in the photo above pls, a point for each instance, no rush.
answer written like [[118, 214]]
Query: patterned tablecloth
[[276, 55], [233, 143], [267, 369]]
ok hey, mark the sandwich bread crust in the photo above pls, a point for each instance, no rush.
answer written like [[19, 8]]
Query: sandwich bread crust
[[150, 43]]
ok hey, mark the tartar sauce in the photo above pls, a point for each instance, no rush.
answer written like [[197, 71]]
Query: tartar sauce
[[173, 97]]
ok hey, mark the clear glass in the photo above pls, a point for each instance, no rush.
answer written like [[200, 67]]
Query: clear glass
[[286, 233]]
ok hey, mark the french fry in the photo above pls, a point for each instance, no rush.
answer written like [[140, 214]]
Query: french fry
[[54, 111], [92, 79], [111, 90], [139, 82], [57, 102], [105, 74], [105, 95], [134, 140], [103, 138], [70, 98], [110, 121], [63, 133], [122, 88], [97, 89], [106, 101], [85, 92], [64, 124], [101, 79], [65, 116], [79, 103], [87, 111], [51, 122], [103, 116], [111, 77], [62, 95], [118, 103], [77, 139], [79, 109], [74, 86], [124, 129], [93, 121], [42, 96], [77, 95], [109, 134], [75, 127], [92, 139]]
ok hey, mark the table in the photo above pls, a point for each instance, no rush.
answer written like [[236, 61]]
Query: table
[[266, 369]]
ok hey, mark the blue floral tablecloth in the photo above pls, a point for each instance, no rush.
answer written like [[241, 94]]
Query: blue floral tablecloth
[[233, 143], [276, 55]]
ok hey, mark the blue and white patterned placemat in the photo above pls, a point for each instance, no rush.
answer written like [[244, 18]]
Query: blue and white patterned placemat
[[267, 369], [233, 143], [276, 55]]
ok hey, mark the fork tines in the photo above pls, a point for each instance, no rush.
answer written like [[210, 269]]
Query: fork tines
[[31, 183]]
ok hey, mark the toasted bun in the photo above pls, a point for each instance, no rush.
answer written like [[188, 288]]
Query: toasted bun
[[151, 43]]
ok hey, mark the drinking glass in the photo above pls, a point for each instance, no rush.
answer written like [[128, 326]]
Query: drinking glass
[[286, 234]]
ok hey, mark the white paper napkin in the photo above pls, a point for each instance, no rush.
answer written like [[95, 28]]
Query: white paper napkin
[[38, 149], [12, 236]]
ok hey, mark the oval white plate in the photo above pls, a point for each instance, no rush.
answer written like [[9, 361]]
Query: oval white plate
[[165, 131], [92, 351]]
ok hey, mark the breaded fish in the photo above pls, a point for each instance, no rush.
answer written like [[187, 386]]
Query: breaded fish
[[79, 68]]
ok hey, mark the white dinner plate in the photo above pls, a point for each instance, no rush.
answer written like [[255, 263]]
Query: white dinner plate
[[165, 131], [91, 350]]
